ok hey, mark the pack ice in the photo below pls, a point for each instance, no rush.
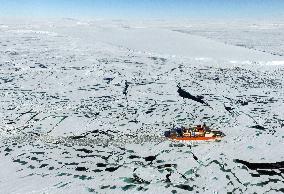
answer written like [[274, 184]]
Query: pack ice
[[84, 106]]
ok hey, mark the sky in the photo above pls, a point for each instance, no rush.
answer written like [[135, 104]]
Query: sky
[[143, 9]]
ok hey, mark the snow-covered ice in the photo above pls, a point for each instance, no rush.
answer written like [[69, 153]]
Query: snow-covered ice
[[84, 105]]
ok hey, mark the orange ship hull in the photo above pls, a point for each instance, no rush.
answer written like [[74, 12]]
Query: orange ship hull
[[195, 138]]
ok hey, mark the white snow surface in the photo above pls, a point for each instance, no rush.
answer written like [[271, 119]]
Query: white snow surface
[[84, 105]]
